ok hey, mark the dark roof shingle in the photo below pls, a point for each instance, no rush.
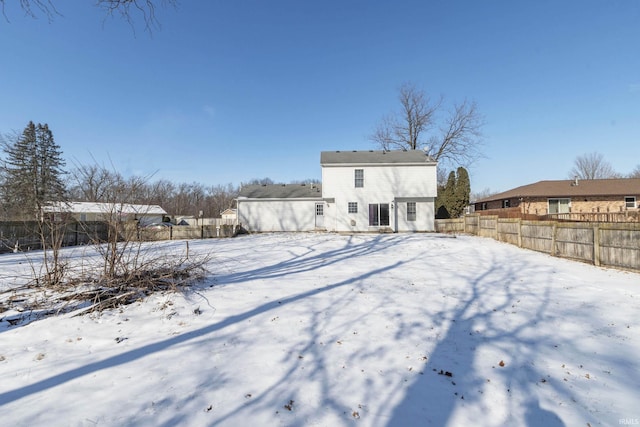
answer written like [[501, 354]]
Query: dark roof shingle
[[374, 157], [281, 191]]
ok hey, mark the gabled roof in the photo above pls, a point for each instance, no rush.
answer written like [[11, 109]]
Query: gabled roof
[[101, 208], [568, 188], [281, 191], [375, 157]]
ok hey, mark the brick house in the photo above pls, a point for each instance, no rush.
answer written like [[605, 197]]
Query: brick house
[[568, 196]]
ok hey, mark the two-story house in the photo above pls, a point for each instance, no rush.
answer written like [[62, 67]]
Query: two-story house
[[378, 190], [361, 191]]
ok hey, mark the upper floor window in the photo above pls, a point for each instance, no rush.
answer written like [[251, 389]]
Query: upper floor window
[[411, 211], [630, 202], [353, 207], [506, 203], [359, 178]]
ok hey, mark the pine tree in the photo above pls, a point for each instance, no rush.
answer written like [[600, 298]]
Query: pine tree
[[461, 193], [444, 201], [32, 172]]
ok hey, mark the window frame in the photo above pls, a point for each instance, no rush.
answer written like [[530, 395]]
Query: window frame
[[358, 175], [412, 211], [377, 212], [352, 207], [559, 199], [633, 200]]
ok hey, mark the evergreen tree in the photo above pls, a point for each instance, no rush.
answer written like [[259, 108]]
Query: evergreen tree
[[453, 197], [461, 193], [32, 172], [444, 201]]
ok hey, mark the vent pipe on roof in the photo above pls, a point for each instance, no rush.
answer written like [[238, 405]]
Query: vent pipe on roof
[[575, 182]]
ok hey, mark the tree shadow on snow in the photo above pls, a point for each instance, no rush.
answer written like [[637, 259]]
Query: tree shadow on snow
[[310, 260]]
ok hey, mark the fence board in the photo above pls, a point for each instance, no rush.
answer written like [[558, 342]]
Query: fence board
[[606, 244], [23, 235]]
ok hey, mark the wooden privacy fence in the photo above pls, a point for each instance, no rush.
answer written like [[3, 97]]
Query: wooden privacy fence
[[190, 232], [602, 244], [24, 235]]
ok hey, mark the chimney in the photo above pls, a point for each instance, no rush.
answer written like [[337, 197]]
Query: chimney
[[575, 182]]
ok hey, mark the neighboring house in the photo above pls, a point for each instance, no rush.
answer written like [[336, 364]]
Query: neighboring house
[[95, 211], [361, 191], [568, 196], [229, 215]]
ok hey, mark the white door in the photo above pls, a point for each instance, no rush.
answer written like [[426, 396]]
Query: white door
[[319, 215]]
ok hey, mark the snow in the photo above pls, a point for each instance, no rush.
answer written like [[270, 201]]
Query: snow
[[337, 330]]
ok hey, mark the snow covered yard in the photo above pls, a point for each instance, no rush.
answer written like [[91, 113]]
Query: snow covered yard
[[335, 330]]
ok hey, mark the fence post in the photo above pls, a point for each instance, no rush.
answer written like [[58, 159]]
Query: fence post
[[553, 238], [596, 245], [519, 232]]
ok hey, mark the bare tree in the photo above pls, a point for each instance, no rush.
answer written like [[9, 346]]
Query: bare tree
[[635, 173], [592, 166], [482, 194], [91, 183], [125, 8], [453, 135], [405, 130]]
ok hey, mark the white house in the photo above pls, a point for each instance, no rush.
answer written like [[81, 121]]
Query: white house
[[361, 191], [378, 190]]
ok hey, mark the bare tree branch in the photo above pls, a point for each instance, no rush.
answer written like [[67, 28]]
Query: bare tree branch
[[460, 135], [127, 9], [405, 130], [458, 140], [592, 166]]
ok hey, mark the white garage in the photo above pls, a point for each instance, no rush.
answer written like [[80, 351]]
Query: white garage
[[281, 207]]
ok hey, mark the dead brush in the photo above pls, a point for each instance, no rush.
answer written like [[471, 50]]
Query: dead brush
[[87, 292]]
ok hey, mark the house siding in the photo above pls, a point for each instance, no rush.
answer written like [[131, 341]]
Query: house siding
[[383, 184], [268, 215]]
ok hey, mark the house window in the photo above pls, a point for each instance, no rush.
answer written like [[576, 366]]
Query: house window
[[353, 207], [506, 203], [359, 178], [558, 206], [630, 202], [378, 214], [411, 211], [483, 207], [319, 209], [83, 217]]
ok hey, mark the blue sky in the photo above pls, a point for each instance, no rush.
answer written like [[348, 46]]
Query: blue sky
[[227, 91]]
